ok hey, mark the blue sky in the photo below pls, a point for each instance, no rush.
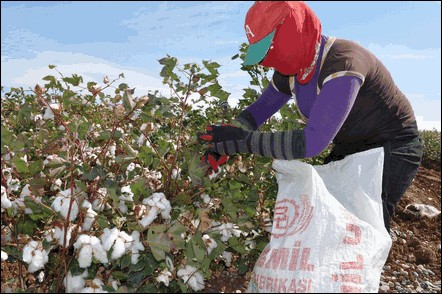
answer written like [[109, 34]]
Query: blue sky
[[94, 39]]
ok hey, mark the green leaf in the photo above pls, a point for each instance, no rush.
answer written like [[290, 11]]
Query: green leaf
[[26, 227], [20, 165], [35, 167], [136, 278], [229, 207], [102, 221], [182, 198], [119, 275], [235, 244], [175, 231], [104, 136], [51, 66], [125, 261], [128, 101], [39, 211], [158, 241], [75, 80]]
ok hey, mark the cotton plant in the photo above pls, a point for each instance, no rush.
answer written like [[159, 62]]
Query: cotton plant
[[164, 277], [74, 284], [61, 204], [88, 247], [126, 195], [176, 174], [58, 233], [133, 170], [49, 114], [226, 230], [19, 203], [191, 277], [56, 185], [11, 183], [100, 203], [4, 255], [89, 215], [96, 286], [5, 201], [136, 247], [119, 241], [35, 255], [153, 206], [227, 257], [210, 243]]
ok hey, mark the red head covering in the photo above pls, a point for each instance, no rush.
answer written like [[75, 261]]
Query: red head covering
[[295, 46]]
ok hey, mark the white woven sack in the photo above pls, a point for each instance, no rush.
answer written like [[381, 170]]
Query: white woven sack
[[328, 234]]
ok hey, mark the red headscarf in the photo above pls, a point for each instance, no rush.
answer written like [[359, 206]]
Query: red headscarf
[[295, 46]]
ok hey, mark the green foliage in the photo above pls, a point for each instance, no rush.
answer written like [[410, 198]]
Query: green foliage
[[432, 150]]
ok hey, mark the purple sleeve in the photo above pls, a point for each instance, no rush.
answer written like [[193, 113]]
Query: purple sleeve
[[329, 112], [267, 104]]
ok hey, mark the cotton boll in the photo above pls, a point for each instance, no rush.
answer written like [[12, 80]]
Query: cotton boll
[[89, 216], [108, 238], [92, 290], [62, 202], [227, 257], [136, 247], [59, 232], [118, 249], [41, 277], [27, 251], [157, 197], [74, 284], [176, 174], [98, 250], [149, 218], [6, 203], [35, 255], [122, 206], [4, 256], [210, 243], [191, 277], [164, 277], [85, 256], [206, 199]]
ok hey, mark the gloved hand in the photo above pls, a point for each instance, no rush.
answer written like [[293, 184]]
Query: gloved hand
[[221, 138], [214, 159]]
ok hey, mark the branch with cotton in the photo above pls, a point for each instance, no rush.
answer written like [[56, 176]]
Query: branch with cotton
[[35, 255], [157, 204], [89, 246], [191, 277]]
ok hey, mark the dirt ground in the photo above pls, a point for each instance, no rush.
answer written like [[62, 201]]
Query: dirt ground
[[418, 241]]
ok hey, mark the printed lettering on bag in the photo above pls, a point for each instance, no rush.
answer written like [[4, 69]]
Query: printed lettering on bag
[[290, 217]]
